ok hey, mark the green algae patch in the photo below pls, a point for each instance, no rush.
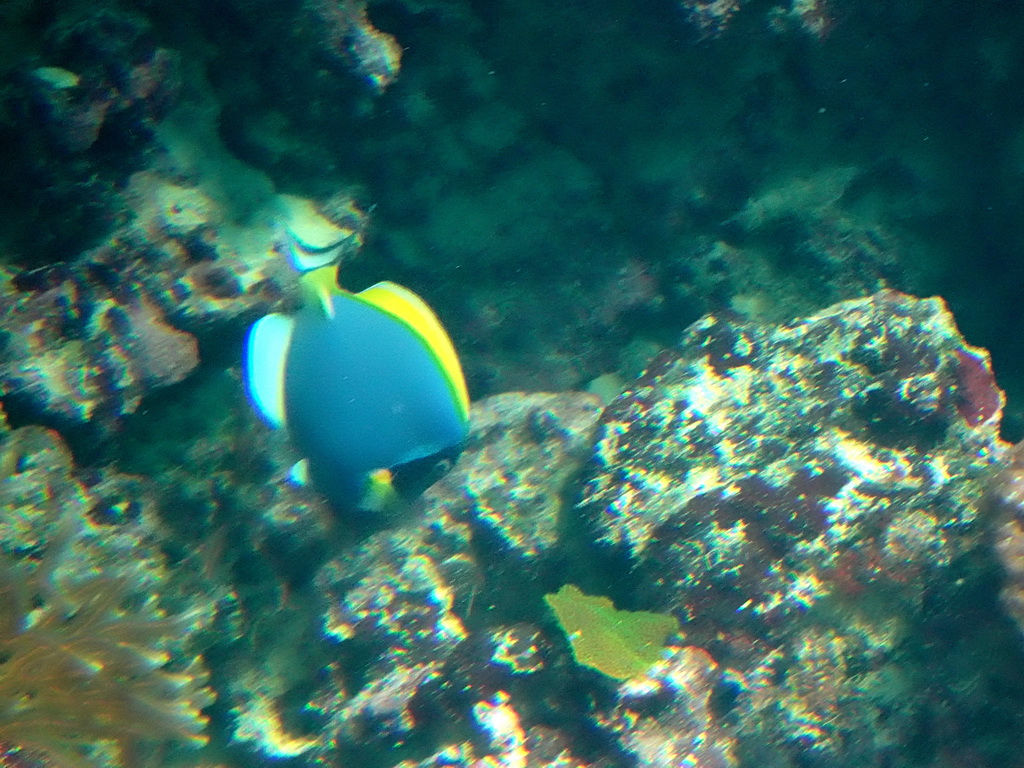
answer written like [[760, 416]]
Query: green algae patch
[[620, 644]]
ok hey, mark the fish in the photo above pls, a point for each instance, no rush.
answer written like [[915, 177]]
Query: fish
[[364, 383], [311, 240]]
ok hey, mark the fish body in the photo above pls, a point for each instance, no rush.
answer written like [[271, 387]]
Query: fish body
[[364, 383]]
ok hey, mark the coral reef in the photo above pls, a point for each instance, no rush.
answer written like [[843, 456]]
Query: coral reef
[[762, 481], [350, 37], [668, 717], [95, 666], [799, 497], [801, 546], [571, 186], [1006, 505], [517, 465], [84, 341], [394, 602]]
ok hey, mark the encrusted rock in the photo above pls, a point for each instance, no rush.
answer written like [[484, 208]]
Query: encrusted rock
[[401, 611], [1007, 500], [666, 717], [401, 597], [96, 631], [764, 481], [765, 438], [511, 480], [509, 745], [86, 340]]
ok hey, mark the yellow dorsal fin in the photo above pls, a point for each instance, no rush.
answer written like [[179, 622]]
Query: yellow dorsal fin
[[406, 306], [319, 286]]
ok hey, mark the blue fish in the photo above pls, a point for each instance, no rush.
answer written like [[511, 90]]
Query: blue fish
[[363, 382]]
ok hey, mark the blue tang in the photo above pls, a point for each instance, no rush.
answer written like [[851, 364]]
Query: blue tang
[[363, 382]]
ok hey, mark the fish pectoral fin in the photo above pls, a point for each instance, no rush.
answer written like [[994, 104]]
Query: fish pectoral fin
[[266, 350], [299, 473]]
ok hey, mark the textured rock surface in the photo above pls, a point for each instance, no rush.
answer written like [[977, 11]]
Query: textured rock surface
[[97, 634], [1007, 506], [822, 420], [570, 191], [85, 341], [667, 717], [798, 494], [396, 601], [511, 482], [801, 497]]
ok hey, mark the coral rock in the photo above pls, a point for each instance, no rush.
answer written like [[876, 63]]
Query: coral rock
[[760, 481], [401, 610], [91, 657], [1007, 501], [522, 451], [86, 340], [666, 717], [349, 36]]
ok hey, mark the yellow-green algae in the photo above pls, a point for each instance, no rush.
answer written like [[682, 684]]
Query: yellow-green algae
[[620, 644]]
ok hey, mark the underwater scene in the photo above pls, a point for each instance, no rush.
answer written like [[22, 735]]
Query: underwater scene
[[511, 384]]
